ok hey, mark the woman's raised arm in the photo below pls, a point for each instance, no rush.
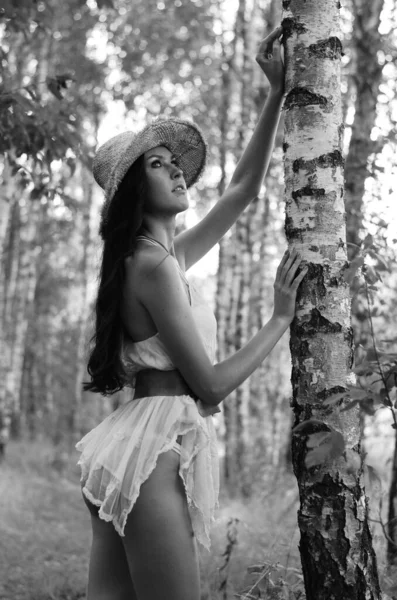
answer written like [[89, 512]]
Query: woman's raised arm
[[248, 176]]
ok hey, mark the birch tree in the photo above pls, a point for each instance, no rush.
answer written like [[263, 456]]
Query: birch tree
[[338, 559]]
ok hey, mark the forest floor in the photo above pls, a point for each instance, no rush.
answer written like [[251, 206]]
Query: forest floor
[[45, 535]]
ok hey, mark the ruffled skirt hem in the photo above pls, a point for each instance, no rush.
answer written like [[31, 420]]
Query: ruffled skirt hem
[[122, 451]]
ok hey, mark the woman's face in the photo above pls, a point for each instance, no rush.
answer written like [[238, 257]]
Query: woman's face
[[166, 187]]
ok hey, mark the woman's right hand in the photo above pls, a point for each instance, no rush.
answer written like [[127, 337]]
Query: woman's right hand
[[286, 285]]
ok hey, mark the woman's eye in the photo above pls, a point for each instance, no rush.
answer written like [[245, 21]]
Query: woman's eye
[[157, 163]]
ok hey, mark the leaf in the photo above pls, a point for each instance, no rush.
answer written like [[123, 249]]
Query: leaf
[[349, 406], [382, 265], [371, 275], [306, 425], [369, 406], [331, 400], [363, 368], [329, 450], [316, 439], [357, 393], [351, 271], [383, 396], [59, 82], [368, 241], [54, 87]]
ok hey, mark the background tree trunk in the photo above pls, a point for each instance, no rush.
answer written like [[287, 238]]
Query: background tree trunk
[[87, 185], [392, 516], [366, 75], [336, 547], [227, 257]]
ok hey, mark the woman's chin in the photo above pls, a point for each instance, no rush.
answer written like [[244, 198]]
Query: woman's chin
[[183, 203], [182, 209]]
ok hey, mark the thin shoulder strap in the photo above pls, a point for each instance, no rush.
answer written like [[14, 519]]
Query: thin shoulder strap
[[156, 242], [152, 241]]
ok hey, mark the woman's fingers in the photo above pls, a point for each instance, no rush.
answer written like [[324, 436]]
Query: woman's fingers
[[288, 267], [282, 263], [293, 256], [298, 279], [266, 45], [293, 267], [275, 33]]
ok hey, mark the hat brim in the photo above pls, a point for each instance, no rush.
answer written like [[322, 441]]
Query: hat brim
[[183, 138]]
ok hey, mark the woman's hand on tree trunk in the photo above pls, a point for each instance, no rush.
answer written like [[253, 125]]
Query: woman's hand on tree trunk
[[270, 60], [286, 285]]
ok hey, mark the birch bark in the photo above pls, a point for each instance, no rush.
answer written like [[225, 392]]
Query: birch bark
[[338, 559]]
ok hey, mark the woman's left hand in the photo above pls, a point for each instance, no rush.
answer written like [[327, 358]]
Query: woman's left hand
[[270, 60]]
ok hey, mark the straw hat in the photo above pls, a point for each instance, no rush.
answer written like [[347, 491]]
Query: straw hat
[[183, 138]]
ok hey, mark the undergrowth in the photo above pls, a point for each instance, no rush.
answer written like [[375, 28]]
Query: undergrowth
[[45, 535]]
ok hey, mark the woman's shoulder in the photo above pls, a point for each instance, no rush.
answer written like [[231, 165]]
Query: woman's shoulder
[[145, 260]]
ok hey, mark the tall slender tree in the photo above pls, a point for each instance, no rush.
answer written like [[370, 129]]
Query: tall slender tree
[[226, 283], [338, 559], [366, 73]]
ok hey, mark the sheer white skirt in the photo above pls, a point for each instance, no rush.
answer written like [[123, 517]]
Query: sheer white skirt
[[120, 453]]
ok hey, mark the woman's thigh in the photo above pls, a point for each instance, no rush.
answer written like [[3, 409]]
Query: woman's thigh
[[159, 542], [108, 577]]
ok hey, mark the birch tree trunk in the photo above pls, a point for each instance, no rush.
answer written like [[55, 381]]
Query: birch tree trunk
[[338, 559]]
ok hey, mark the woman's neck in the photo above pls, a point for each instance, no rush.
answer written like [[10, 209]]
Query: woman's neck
[[163, 235]]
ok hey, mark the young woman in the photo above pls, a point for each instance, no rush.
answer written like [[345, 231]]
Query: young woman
[[150, 469]]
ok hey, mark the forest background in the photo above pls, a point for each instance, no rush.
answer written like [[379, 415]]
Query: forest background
[[72, 75]]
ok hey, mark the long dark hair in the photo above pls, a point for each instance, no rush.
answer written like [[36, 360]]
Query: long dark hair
[[118, 230]]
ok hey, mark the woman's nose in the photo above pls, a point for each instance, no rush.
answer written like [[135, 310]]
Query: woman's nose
[[176, 171]]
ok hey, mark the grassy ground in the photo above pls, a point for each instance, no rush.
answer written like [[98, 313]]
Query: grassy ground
[[45, 535]]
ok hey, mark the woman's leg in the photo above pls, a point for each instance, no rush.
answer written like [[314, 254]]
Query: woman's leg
[[108, 576], [159, 542]]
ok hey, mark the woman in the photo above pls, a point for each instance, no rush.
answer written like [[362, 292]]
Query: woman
[[150, 470]]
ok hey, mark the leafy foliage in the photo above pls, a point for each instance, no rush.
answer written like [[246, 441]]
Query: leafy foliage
[[43, 54]]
